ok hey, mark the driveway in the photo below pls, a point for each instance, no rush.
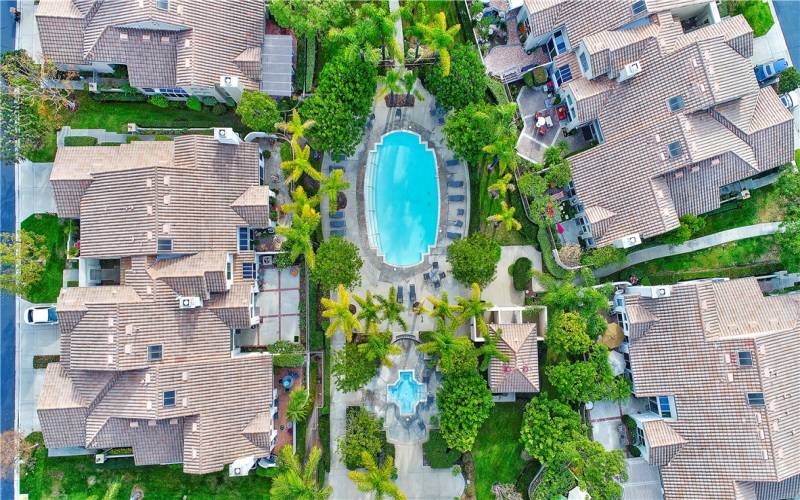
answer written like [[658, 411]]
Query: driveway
[[33, 340], [34, 192], [773, 44]]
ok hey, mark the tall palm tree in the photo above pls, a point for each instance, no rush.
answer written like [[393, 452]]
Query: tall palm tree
[[415, 13], [379, 346], [369, 312], [332, 186], [296, 127], [295, 482], [444, 344], [376, 478], [489, 349], [391, 309], [354, 41], [506, 218], [501, 186], [341, 317], [442, 309], [300, 200], [298, 235], [504, 151], [298, 405], [382, 29], [440, 38], [390, 84], [409, 80], [475, 307], [300, 164]]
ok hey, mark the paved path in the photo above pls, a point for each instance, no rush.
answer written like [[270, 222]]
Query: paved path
[[788, 15], [394, 6], [660, 251]]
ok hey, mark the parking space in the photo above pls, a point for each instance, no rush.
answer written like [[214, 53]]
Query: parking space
[[34, 192], [33, 340]]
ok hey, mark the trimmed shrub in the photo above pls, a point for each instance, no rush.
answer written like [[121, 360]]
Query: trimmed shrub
[[194, 103], [40, 361], [521, 273], [120, 451], [75, 140], [539, 76], [634, 451], [210, 101], [288, 360], [118, 97], [133, 138], [219, 109], [159, 101], [437, 454], [528, 78]]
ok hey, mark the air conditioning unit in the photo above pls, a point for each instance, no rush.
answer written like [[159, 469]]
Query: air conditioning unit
[[100, 458], [226, 136], [189, 302], [93, 87], [629, 71], [745, 194]]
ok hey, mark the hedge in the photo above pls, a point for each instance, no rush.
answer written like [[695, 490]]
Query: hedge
[[40, 361], [521, 273], [436, 452], [120, 451], [550, 263], [311, 60], [80, 140], [118, 97]]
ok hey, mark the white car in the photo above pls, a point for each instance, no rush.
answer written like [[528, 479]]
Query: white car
[[791, 99], [41, 315]]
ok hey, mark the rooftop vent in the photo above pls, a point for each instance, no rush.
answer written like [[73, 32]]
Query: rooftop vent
[[189, 302], [629, 71]]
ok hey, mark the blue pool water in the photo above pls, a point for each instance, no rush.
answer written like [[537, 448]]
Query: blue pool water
[[406, 392], [402, 198]]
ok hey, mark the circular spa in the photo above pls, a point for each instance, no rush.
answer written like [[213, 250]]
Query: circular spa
[[401, 194]]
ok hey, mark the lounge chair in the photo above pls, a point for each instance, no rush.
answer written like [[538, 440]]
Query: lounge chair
[[331, 168], [426, 277], [412, 294], [437, 284], [338, 223], [400, 294], [337, 232], [442, 276], [456, 223], [454, 236], [435, 264], [452, 163], [460, 212], [455, 184], [337, 215], [456, 197]]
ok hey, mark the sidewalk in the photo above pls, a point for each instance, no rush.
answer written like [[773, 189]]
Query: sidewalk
[[660, 251]]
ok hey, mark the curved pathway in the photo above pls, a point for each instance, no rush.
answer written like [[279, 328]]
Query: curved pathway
[[660, 251]]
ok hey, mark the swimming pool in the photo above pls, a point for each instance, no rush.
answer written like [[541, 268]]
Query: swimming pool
[[406, 392], [401, 193]]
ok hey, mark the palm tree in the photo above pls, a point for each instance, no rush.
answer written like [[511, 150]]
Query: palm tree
[[506, 218], [300, 164], [296, 127], [442, 309], [390, 84], [376, 478], [501, 186], [490, 350], [339, 313], [440, 38], [353, 41], [415, 14], [369, 311], [391, 309], [443, 343], [475, 307], [504, 151], [300, 200], [297, 407], [298, 235], [379, 346], [382, 22], [332, 186], [295, 482], [409, 80]]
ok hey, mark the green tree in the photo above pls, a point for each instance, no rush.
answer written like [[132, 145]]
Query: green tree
[[441, 308], [295, 482], [363, 433], [567, 334], [501, 186], [342, 319], [369, 312], [300, 202], [788, 80], [453, 354], [298, 406], [340, 105], [547, 426], [298, 236], [391, 309], [505, 218], [466, 82], [440, 38], [355, 42], [296, 127], [504, 150], [490, 350], [379, 347], [22, 259], [464, 404], [351, 369], [381, 23], [415, 15], [595, 468], [573, 382], [309, 17], [534, 187], [557, 480], [337, 262], [591, 303], [559, 174], [409, 81], [474, 259], [390, 84], [377, 478], [603, 256], [26, 79], [300, 164], [466, 134], [474, 307], [258, 111], [689, 226], [332, 186]]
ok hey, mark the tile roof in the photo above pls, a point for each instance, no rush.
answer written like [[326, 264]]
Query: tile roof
[[179, 46], [521, 373], [691, 354]]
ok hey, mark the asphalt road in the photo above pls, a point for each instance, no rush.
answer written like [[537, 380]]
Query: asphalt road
[[789, 16]]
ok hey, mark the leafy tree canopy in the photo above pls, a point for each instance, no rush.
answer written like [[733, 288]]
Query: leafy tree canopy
[[474, 259], [258, 111], [351, 369], [464, 404], [22, 261], [337, 261], [363, 433], [547, 426], [534, 186], [309, 17], [567, 334], [595, 468], [467, 135], [789, 80], [466, 83], [603, 256]]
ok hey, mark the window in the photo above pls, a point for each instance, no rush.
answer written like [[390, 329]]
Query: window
[[639, 6], [173, 92], [661, 405], [640, 436], [675, 149], [229, 270], [565, 73], [162, 4], [584, 62], [154, 352], [169, 399], [248, 270], [244, 238], [164, 245], [745, 358], [147, 90], [675, 103], [755, 398]]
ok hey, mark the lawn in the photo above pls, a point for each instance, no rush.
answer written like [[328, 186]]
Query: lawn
[[437, 453], [757, 13], [79, 478], [482, 205], [49, 285], [497, 451], [750, 257]]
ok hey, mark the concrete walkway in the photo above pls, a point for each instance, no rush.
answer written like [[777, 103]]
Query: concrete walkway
[[394, 6], [712, 240], [102, 135]]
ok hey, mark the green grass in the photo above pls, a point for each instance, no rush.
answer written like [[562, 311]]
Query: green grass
[[46, 153], [497, 451], [49, 285], [482, 206], [70, 478], [757, 13], [752, 256], [80, 141], [437, 454]]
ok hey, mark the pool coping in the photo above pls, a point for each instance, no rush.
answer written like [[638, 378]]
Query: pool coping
[[374, 245]]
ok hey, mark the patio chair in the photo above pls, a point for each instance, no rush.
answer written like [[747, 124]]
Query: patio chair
[[437, 284], [548, 122], [441, 120], [412, 294], [400, 294], [454, 236], [455, 184], [456, 223], [452, 163], [542, 130], [338, 223], [338, 232], [460, 212], [442, 276], [456, 197], [435, 265], [339, 214], [426, 277]]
